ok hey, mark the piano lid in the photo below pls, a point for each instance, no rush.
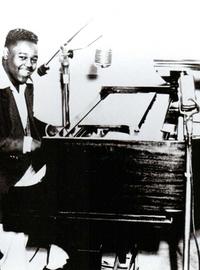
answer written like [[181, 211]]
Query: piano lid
[[129, 116], [121, 109], [165, 67], [177, 64]]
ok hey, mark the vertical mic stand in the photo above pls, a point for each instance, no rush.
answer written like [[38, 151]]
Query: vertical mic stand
[[188, 194], [64, 82], [188, 126], [188, 107]]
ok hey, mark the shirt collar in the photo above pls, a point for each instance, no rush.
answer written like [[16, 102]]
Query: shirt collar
[[5, 81]]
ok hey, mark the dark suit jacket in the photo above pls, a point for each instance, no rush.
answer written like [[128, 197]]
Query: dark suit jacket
[[13, 163]]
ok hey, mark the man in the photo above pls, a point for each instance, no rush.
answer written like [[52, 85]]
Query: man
[[20, 136]]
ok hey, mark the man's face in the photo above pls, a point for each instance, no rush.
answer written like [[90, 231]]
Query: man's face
[[21, 60]]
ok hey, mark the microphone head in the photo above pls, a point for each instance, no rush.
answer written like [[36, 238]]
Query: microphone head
[[187, 93], [42, 70], [103, 58]]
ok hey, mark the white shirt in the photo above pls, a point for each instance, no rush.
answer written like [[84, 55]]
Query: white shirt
[[21, 103]]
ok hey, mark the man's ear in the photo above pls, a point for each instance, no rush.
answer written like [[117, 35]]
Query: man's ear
[[5, 53]]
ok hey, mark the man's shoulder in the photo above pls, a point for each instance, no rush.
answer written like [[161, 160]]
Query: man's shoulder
[[5, 93], [4, 80]]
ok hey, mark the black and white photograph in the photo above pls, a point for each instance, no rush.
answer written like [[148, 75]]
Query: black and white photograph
[[100, 135]]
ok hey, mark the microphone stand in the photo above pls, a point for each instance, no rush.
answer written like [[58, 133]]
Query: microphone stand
[[64, 82], [188, 123], [188, 113], [42, 70], [65, 85]]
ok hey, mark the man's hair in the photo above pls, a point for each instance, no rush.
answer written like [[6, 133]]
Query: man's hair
[[20, 34]]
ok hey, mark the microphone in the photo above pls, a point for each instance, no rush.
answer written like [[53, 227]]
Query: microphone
[[187, 93], [188, 104], [103, 58], [42, 70]]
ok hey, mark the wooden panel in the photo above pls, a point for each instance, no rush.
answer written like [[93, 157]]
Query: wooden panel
[[132, 177]]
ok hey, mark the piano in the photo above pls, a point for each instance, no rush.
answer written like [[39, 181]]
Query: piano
[[116, 182]]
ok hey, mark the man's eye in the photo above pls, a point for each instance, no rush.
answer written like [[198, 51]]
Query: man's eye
[[34, 60], [22, 57]]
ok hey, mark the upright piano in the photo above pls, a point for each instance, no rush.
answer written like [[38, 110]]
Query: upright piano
[[116, 182]]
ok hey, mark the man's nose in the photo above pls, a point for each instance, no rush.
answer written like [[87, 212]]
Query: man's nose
[[28, 62]]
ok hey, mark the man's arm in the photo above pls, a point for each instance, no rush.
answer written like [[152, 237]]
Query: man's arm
[[41, 126], [8, 145], [17, 146]]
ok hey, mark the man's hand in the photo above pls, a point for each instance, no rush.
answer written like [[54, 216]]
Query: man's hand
[[35, 145], [30, 144]]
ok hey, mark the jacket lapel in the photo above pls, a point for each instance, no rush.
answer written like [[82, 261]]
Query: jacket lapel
[[29, 102], [11, 115]]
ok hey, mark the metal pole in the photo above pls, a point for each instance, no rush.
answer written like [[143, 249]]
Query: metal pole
[[65, 99], [188, 194], [65, 87]]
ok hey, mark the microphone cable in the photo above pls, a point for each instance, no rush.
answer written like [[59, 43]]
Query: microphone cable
[[193, 223]]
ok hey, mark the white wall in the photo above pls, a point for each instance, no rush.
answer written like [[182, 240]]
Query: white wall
[[137, 31]]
